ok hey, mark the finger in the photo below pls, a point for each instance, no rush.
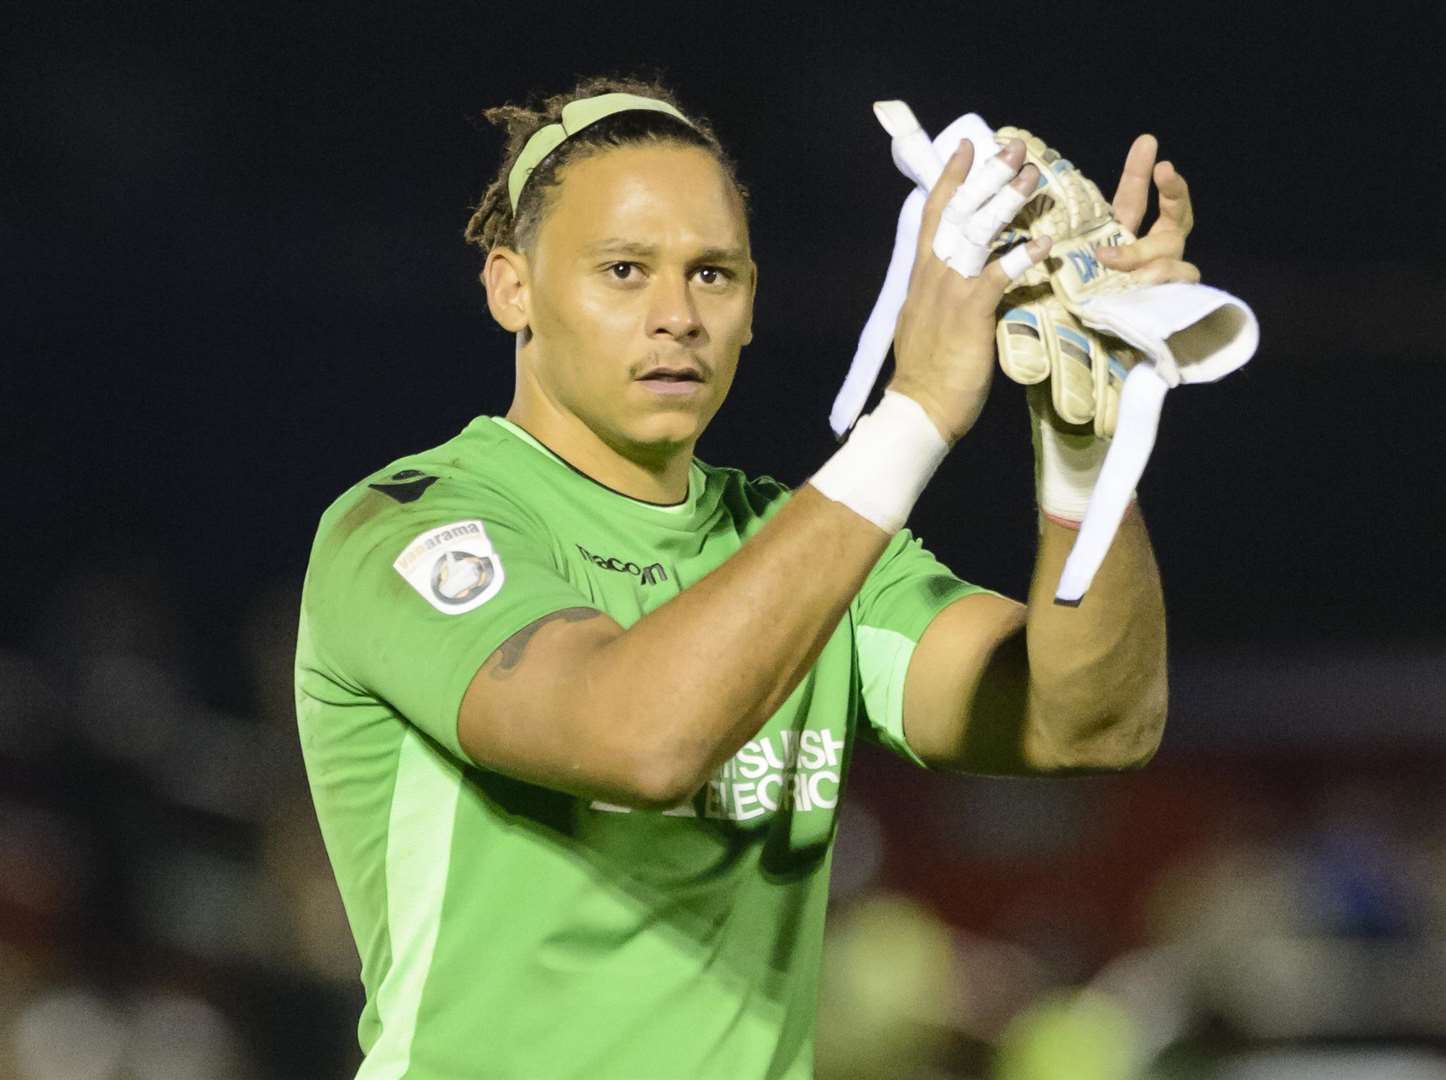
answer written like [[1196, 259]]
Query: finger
[[955, 169], [987, 180], [999, 211], [1175, 205], [1132, 195], [972, 243], [998, 275], [1167, 244], [983, 183], [1163, 270]]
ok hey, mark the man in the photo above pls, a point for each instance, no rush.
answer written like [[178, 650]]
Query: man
[[577, 708]]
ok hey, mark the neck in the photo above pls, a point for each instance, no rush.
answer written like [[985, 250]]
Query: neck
[[655, 477]]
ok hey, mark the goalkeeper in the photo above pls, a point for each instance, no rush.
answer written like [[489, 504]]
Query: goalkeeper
[[577, 707]]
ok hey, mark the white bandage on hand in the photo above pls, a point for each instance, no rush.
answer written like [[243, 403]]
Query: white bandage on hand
[[1016, 262], [882, 469], [976, 212], [979, 209]]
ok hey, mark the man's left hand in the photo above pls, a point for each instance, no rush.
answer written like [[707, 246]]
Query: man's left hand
[[1158, 256]]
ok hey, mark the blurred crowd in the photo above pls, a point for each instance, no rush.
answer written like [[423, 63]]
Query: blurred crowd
[[167, 911], [166, 907]]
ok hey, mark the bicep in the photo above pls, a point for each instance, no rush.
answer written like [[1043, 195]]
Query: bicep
[[529, 711], [966, 689]]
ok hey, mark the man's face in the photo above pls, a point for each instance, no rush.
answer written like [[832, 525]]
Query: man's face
[[641, 295]]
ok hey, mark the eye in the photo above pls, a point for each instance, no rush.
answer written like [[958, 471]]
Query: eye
[[718, 275], [625, 267]]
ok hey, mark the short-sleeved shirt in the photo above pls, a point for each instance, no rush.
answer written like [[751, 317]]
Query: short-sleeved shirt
[[509, 930]]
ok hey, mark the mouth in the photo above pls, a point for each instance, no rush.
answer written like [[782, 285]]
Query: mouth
[[674, 374], [672, 380]]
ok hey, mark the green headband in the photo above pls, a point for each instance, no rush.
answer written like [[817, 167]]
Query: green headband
[[576, 115]]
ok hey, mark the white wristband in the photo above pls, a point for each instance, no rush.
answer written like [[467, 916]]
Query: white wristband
[[881, 471], [1066, 468]]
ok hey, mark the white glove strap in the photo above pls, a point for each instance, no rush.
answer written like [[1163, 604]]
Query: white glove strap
[[1193, 333], [881, 471], [1066, 468], [1140, 402]]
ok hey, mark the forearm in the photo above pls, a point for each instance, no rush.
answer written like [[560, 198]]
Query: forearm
[[1097, 676], [725, 653]]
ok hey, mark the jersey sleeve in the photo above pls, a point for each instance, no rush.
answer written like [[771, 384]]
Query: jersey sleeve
[[407, 600], [906, 588]]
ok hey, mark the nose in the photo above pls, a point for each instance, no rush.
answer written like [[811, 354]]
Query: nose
[[673, 311]]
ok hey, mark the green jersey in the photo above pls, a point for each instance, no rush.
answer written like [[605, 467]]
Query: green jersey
[[509, 930]]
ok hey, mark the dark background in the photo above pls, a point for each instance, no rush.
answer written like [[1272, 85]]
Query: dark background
[[235, 280], [234, 283]]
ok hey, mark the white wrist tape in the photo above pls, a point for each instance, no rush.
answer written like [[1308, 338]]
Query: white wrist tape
[[1066, 469], [881, 471]]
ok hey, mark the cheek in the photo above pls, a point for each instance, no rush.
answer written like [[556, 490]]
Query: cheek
[[605, 313], [731, 321], [588, 333], [725, 373], [584, 316]]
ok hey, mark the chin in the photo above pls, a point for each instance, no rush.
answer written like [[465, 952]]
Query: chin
[[672, 425], [667, 431]]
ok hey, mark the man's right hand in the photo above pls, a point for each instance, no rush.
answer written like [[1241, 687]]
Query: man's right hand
[[944, 340]]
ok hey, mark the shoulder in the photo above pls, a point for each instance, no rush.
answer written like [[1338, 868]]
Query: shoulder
[[474, 474]]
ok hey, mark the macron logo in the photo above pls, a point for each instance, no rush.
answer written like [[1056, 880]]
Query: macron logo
[[646, 575]]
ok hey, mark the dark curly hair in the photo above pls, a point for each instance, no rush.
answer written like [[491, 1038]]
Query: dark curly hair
[[493, 223]]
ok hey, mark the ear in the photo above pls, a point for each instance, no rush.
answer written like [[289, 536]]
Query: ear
[[505, 276], [752, 296]]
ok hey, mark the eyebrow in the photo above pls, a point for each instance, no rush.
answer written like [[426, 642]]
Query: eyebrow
[[618, 246]]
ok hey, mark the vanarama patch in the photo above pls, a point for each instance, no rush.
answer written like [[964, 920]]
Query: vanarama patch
[[454, 567]]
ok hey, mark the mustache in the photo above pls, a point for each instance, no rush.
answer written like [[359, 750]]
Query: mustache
[[671, 360]]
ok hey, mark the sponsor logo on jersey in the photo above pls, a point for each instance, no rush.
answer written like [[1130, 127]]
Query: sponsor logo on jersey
[[788, 770], [646, 575], [454, 567]]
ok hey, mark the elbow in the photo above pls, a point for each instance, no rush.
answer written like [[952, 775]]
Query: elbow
[[659, 790], [1074, 740], [1118, 743], [1135, 747], [627, 785], [660, 781], [638, 763]]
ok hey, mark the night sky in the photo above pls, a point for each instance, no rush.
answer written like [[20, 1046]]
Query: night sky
[[235, 281]]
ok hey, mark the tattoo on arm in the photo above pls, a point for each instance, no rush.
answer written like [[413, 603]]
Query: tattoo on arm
[[509, 654]]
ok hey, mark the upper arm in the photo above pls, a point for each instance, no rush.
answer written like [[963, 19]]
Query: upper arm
[[969, 705], [530, 712], [945, 668], [905, 592], [966, 692]]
